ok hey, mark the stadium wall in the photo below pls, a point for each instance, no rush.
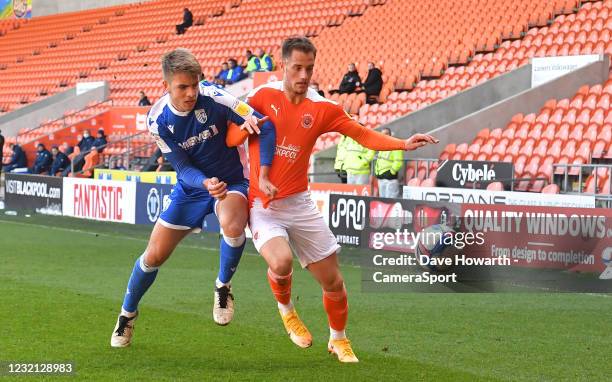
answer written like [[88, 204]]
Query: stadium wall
[[51, 7]]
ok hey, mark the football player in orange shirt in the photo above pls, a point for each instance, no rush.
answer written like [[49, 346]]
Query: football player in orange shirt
[[289, 218]]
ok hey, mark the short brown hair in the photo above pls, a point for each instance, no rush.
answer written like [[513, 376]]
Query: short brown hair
[[180, 60], [301, 43]]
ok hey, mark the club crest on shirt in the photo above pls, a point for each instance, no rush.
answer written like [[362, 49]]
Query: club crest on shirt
[[307, 121], [201, 116]]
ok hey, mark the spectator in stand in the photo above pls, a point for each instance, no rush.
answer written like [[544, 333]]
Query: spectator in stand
[[152, 163], [223, 72], [18, 159], [357, 162], [372, 84], [92, 160], [162, 165], [388, 165], [144, 100], [340, 158], [265, 60], [253, 64], [78, 158], [66, 149], [350, 82], [187, 21], [43, 161], [60, 161], [315, 86], [116, 163], [235, 72], [1, 150], [100, 141], [86, 141], [120, 165], [221, 77]]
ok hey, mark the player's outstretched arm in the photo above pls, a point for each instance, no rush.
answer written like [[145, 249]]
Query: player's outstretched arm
[[374, 140], [419, 140]]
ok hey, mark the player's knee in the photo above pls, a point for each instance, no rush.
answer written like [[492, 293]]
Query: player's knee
[[333, 283], [281, 265], [232, 229], [154, 256]]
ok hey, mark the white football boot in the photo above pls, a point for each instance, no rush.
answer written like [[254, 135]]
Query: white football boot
[[223, 307], [123, 332]]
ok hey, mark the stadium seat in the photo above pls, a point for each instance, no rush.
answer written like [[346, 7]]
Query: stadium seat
[[551, 189], [495, 186], [414, 182]]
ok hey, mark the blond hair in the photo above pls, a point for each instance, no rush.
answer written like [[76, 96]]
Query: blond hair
[[180, 60]]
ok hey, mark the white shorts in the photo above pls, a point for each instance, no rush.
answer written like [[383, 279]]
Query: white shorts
[[297, 219]]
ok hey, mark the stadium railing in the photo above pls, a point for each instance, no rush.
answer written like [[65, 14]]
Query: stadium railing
[[598, 180], [131, 151]]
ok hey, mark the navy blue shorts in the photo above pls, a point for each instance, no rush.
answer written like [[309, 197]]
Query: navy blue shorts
[[185, 212]]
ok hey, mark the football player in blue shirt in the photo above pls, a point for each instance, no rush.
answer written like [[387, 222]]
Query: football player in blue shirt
[[189, 124]]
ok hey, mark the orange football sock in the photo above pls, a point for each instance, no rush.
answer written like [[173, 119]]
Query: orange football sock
[[281, 286], [336, 306]]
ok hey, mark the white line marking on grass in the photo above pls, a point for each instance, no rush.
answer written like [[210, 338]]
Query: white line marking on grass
[[99, 234]]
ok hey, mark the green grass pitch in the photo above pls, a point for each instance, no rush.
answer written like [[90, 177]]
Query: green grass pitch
[[62, 282]]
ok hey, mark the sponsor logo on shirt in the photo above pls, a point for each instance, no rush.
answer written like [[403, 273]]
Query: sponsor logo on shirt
[[197, 139], [288, 150]]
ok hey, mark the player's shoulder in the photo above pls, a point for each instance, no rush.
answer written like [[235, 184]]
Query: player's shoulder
[[267, 89], [157, 113], [209, 89], [330, 108], [314, 96], [217, 97]]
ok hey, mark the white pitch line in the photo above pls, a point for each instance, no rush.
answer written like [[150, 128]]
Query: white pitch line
[[99, 234]]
